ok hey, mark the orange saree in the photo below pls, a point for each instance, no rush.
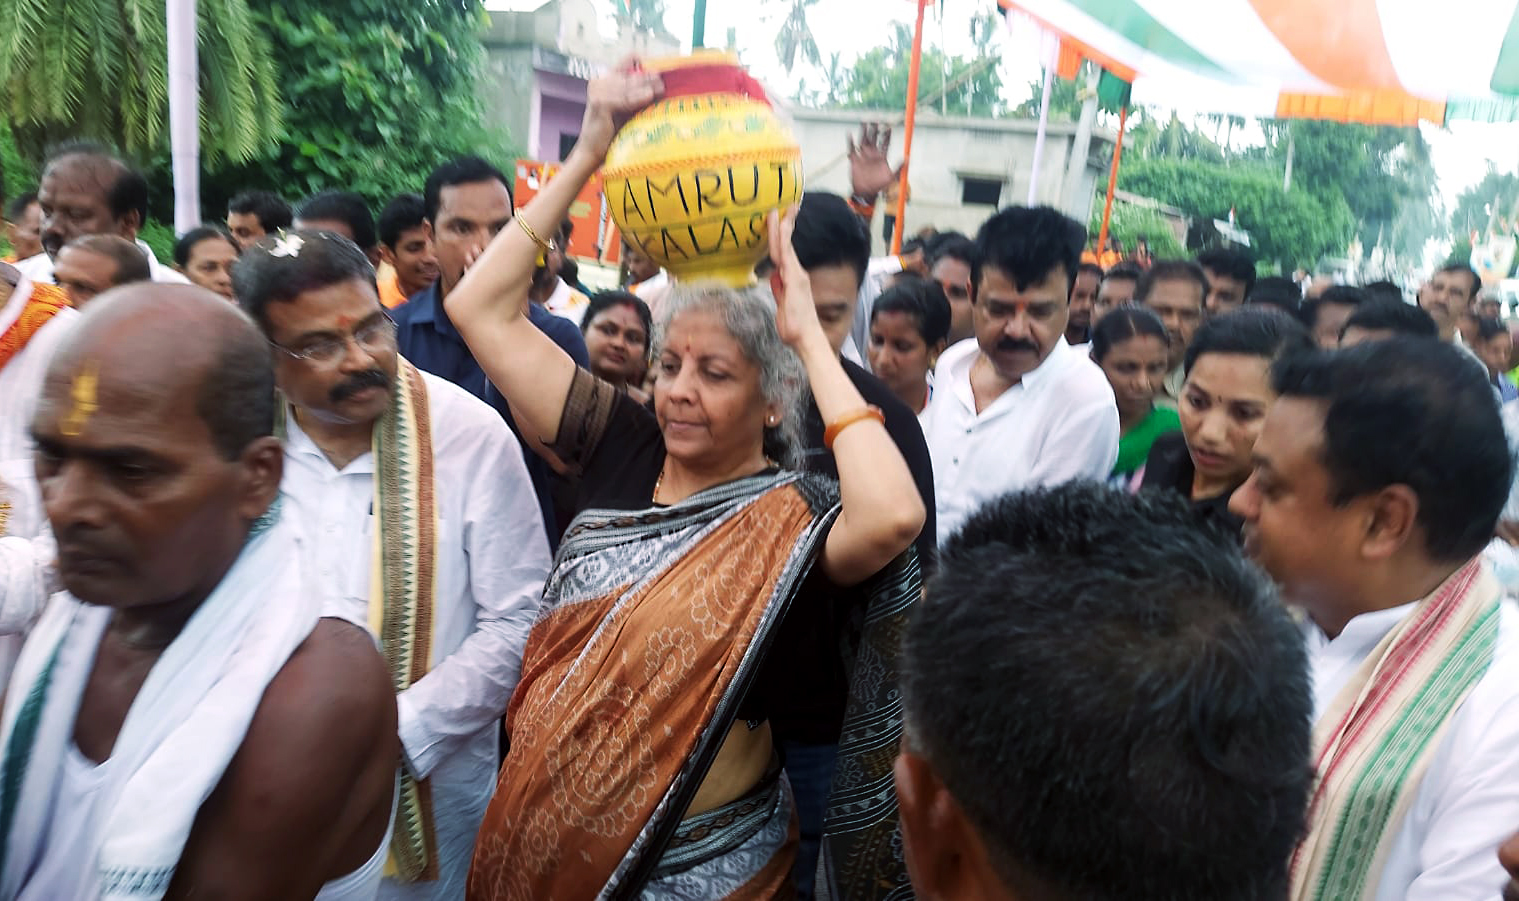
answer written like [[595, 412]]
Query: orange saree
[[653, 628]]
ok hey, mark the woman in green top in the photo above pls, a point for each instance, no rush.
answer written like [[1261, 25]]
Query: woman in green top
[[1129, 344]]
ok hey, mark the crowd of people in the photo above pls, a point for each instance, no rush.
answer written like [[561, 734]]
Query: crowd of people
[[348, 558]]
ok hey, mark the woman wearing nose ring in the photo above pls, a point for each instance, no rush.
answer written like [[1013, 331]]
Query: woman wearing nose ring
[[641, 761], [1222, 406]]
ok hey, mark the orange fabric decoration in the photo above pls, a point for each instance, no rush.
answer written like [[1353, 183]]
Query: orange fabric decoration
[[44, 302]]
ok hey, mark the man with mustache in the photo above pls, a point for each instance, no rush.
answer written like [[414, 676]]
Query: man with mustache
[[86, 190], [1018, 407], [1448, 296], [424, 529], [1379, 475]]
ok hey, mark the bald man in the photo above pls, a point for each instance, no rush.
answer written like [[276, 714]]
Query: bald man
[[180, 720], [87, 190], [93, 264]]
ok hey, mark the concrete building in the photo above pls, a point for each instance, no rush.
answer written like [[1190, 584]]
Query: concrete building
[[539, 56], [963, 169]]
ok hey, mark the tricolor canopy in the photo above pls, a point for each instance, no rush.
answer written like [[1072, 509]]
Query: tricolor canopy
[[1392, 62]]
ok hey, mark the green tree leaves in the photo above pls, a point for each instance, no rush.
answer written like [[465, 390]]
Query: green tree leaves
[[97, 68]]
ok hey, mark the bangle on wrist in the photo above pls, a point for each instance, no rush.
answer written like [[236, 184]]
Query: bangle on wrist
[[543, 246], [869, 411]]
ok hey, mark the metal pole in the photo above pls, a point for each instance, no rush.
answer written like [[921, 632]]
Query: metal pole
[[184, 112], [912, 117], [699, 26], [1044, 119], [1107, 208]]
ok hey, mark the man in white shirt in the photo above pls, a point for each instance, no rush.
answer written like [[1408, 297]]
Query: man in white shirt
[[425, 529], [85, 190], [1379, 477], [1017, 407]]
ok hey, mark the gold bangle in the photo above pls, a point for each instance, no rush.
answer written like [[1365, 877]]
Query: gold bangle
[[870, 411], [543, 245]]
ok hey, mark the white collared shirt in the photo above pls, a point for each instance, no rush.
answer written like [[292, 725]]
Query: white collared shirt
[[39, 268], [1060, 422], [492, 559], [1468, 801]]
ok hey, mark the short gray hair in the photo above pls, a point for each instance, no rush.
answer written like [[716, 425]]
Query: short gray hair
[[749, 316]]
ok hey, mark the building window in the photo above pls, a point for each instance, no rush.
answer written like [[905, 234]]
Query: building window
[[566, 144], [981, 191]]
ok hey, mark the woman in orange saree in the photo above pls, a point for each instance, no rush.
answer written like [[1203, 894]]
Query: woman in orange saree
[[641, 761]]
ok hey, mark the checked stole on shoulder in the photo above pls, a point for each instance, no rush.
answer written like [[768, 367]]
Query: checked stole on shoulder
[[1374, 743], [401, 590]]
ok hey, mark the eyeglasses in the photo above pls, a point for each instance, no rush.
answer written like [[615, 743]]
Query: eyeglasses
[[378, 335]]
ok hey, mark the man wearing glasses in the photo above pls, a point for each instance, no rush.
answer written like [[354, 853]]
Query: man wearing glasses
[[421, 525]]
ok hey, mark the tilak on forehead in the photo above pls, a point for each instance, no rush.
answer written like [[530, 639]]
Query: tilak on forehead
[[83, 391]]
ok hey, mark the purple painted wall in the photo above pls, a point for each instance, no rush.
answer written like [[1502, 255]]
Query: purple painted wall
[[561, 107]]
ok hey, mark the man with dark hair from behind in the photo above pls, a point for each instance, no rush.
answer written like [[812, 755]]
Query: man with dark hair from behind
[[87, 190], [466, 201], [1383, 291], [1325, 316], [344, 213], [406, 245], [93, 264], [1379, 320], [1139, 733], [1231, 277], [1018, 407], [1277, 291], [253, 214], [1379, 476], [1176, 291]]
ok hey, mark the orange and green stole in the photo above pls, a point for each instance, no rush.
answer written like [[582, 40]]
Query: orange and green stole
[[42, 304], [653, 627], [1374, 743], [401, 591]]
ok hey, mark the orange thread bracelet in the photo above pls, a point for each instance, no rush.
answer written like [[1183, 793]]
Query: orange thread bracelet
[[848, 419]]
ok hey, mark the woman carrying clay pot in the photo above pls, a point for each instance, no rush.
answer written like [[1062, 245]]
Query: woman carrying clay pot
[[641, 760]]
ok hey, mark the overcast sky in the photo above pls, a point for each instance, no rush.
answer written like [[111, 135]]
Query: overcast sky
[[1462, 153]]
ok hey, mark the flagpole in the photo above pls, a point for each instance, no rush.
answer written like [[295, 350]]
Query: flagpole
[[1044, 119], [911, 122], [184, 112], [1107, 208]]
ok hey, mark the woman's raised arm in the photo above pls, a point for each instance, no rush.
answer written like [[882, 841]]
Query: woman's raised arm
[[489, 305], [883, 512]]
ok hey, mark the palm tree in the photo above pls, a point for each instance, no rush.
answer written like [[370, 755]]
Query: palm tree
[[98, 68], [647, 15], [796, 36]]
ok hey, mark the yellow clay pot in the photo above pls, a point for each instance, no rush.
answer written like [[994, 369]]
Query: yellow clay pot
[[690, 180]]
